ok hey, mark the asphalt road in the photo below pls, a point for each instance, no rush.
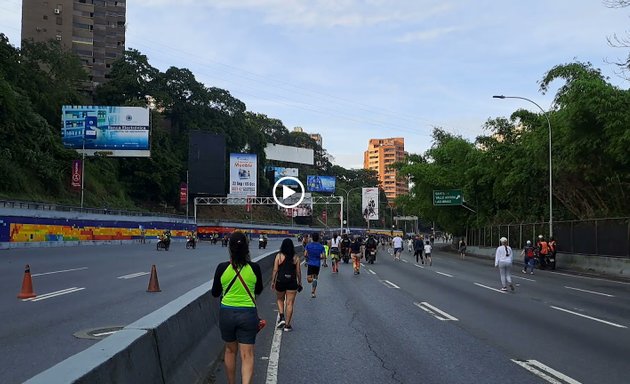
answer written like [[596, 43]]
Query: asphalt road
[[110, 284], [400, 322]]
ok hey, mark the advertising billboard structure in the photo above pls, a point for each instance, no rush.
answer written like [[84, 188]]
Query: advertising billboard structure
[[206, 164], [369, 203], [290, 154], [243, 174], [280, 172], [106, 131], [304, 209], [321, 184]]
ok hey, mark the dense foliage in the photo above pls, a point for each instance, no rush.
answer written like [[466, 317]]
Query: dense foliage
[[504, 175]]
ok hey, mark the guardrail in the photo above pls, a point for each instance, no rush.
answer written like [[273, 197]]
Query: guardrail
[[178, 343]]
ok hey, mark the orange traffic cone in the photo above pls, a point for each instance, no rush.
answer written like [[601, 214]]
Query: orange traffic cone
[[27, 285], [154, 285]]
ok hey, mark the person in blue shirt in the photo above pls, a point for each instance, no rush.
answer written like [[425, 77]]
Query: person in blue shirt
[[313, 253]]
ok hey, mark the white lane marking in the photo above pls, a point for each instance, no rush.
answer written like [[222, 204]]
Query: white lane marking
[[544, 372], [589, 317], [589, 277], [490, 288], [104, 333], [404, 261], [52, 273], [389, 284], [371, 271], [274, 357], [419, 266], [437, 313], [363, 265], [587, 291], [444, 274], [132, 275], [523, 278], [54, 294]]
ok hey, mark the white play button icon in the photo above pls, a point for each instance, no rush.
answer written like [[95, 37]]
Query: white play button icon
[[287, 192]]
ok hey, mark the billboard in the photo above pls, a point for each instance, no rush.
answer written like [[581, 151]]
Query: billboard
[[243, 175], [279, 172], [369, 203], [106, 131], [304, 209], [206, 164], [322, 184], [289, 154]]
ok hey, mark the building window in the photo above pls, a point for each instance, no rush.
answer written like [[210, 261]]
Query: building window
[[45, 17], [59, 20]]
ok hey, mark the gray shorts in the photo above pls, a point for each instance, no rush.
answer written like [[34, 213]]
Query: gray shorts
[[238, 324]]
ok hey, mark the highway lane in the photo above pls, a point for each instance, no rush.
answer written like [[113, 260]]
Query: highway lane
[[449, 323], [112, 282]]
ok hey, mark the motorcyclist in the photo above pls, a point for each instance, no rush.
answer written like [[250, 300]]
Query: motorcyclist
[[192, 239], [262, 241], [344, 246], [370, 246]]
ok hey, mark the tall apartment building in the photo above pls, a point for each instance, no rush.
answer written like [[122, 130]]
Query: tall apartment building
[[380, 154], [92, 29], [315, 136]]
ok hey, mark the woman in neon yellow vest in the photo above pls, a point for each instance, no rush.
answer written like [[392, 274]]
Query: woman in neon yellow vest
[[237, 282]]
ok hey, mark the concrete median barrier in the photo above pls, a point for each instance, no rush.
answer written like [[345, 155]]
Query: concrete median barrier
[[178, 343]]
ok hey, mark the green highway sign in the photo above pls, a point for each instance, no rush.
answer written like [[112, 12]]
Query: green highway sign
[[448, 197]]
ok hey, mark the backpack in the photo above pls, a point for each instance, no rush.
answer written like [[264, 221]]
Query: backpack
[[529, 251], [286, 271]]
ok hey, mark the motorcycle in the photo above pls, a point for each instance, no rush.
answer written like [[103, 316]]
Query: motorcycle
[[262, 243], [550, 261], [191, 242], [370, 255], [163, 243]]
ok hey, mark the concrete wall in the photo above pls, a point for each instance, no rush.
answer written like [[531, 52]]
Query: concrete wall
[[178, 343], [611, 266]]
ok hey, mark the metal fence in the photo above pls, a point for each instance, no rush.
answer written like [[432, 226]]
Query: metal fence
[[604, 237]]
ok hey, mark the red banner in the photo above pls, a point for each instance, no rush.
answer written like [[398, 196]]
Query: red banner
[[76, 174], [325, 216], [183, 193]]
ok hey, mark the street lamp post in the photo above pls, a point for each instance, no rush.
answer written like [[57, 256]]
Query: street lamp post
[[348, 205], [550, 169]]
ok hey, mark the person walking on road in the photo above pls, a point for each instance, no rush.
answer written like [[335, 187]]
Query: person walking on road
[[503, 260], [335, 245], [529, 257], [286, 280], [462, 248], [313, 253], [427, 252], [355, 252], [397, 243], [417, 248], [235, 281]]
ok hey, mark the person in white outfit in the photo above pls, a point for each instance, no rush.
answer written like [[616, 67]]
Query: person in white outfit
[[503, 260]]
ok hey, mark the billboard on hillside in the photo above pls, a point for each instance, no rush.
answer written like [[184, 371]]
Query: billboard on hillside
[[243, 175], [322, 184], [369, 203], [106, 131], [290, 154], [280, 172], [206, 164]]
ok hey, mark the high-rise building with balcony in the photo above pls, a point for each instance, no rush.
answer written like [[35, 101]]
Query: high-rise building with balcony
[[380, 155], [92, 29]]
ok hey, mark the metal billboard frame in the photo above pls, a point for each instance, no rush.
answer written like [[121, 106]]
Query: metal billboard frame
[[254, 200]]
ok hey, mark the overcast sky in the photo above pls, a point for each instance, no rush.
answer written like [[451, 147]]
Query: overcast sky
[[352, 70]]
